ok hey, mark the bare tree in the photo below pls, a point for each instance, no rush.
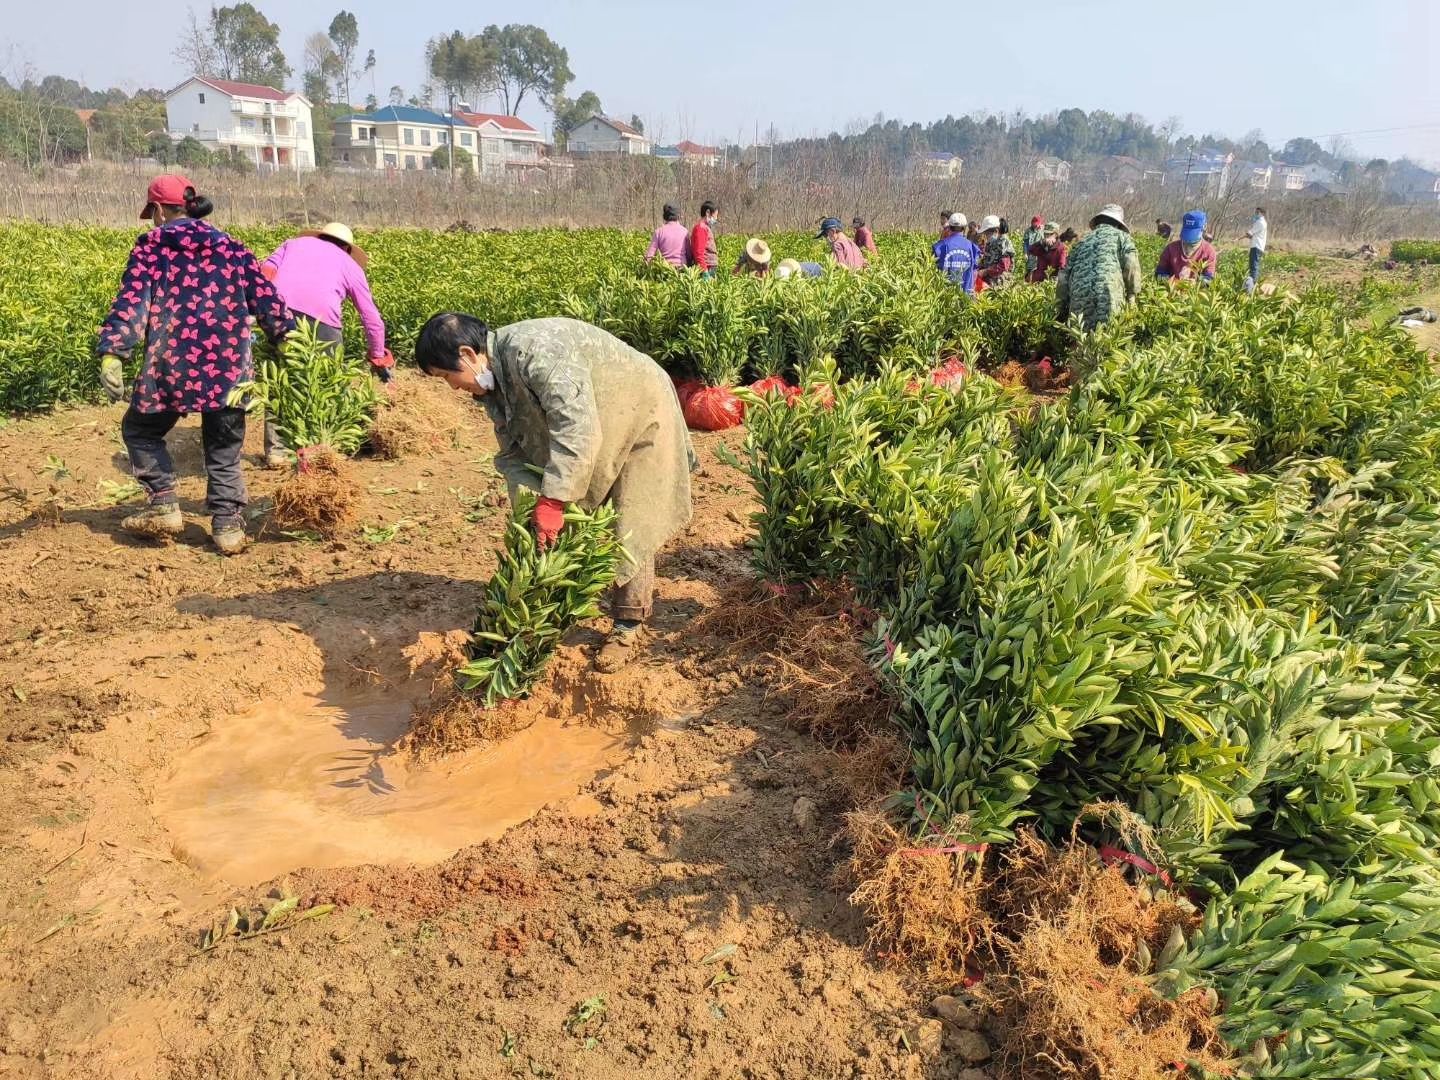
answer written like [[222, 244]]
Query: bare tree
[[196, 48], [1171, 129], [1362, 207], [322, 67]]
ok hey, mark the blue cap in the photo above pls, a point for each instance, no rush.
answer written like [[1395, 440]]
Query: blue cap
[[826, 225], [1192, 226]]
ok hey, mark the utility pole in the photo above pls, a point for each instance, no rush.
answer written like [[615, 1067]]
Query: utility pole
[[450, 155]]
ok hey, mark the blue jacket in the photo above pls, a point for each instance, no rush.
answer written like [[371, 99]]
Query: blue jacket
[[957, 258]]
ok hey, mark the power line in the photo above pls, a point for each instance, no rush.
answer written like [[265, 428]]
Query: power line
[[1368, 131]]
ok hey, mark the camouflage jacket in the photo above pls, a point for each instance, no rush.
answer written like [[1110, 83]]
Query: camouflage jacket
[[1101, 276], [582, 417]]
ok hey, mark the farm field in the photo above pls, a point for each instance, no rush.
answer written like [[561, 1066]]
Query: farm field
[[1193, 590]]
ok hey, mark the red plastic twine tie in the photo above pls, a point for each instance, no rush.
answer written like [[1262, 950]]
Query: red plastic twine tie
[[1112, 855], [949, 849], [774, 588]]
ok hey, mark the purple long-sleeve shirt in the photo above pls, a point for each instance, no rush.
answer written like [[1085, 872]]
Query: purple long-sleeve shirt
[[314, 277], [671, 242]]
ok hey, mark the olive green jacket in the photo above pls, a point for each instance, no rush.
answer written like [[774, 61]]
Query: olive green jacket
[[583, 418]]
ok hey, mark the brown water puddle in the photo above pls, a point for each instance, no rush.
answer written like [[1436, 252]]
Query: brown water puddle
[[300, 783]]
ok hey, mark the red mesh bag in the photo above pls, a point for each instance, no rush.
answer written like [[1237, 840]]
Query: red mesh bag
[[713, 408], [769, 383], [685, 387], [951, 374]]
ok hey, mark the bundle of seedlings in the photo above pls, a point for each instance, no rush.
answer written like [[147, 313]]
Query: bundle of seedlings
[[323, 405], [717, 338], [533, 599], [535, 596]]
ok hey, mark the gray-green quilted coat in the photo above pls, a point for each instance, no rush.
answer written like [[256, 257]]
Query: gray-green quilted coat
[[600, 420], [1101, 275]]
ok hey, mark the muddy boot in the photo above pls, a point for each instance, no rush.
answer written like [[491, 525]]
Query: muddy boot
[[622, 647], [158, 521], [229, 537]]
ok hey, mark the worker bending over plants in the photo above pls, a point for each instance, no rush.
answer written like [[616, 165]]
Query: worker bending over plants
[[580, 418]]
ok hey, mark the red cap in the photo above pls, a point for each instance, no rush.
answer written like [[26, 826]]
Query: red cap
[[1037, 220], [168, 190]]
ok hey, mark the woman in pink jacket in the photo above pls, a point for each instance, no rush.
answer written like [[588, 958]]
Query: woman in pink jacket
[[315, 273]]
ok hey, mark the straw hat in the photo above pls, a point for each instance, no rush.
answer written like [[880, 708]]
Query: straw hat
[[788, 268], [757, 251], [1113, 213], [336, 231]]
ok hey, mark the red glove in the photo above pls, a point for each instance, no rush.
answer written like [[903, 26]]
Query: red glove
[[549, 520], [384, 366]]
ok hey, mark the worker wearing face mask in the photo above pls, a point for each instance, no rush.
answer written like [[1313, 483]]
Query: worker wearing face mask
[[580, 418]]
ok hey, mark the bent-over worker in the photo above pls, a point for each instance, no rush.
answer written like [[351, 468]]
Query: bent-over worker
[[315, 273], [602, 422], [754, 261], [1102, 272], [1190, 256]]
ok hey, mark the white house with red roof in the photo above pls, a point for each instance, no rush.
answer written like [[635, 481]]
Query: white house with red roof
[[508, 146], [602, 135], [269, 127], [698, 154]]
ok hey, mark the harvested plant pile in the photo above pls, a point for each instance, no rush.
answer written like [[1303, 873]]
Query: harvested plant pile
[[1200, 586], [535, 597], [323, 406]]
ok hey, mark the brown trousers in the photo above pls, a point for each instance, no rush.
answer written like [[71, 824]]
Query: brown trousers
[[635, 599]]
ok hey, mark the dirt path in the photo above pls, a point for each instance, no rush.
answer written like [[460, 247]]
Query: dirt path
[[145, 787]]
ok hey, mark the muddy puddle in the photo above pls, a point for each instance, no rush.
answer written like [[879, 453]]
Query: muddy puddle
[[302, 783]]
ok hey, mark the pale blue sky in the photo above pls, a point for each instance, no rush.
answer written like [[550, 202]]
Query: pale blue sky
[[1288, 67]]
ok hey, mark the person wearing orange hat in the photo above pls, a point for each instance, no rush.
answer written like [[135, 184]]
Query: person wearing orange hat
[[186, 302], [316, 272]]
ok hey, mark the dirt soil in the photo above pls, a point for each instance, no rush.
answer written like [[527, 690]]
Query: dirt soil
[[129, 668]]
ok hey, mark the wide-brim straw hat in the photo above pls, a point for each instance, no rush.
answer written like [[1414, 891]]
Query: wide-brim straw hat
[[788, 268], [1113, 213], [757, 251], [336, 231]]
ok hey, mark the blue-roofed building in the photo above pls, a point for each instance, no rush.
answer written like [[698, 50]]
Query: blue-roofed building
[[400, 137]]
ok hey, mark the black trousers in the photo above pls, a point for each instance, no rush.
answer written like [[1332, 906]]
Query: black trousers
[[222, 434]]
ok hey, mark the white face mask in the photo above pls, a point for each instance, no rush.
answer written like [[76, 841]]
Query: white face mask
[[485, 377]]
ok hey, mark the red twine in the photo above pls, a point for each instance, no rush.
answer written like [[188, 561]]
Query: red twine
[[1112, 855]]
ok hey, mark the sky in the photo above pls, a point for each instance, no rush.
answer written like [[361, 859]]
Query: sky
[[1313, 68]]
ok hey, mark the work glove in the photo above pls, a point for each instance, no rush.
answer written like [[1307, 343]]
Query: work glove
[[549, 520], [383, 366], [112, 377]]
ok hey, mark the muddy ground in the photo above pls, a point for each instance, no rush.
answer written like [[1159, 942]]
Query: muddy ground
[[139, 683]]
